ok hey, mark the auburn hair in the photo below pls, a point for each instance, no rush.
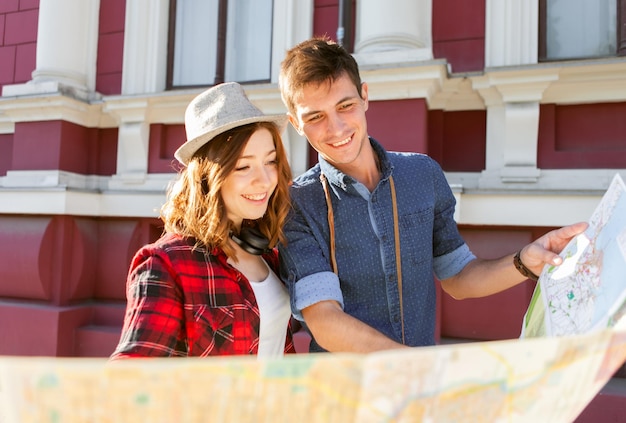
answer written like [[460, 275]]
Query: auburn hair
[[195, 208]]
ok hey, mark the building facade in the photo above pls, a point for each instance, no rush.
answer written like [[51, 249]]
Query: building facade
[[521, 102]]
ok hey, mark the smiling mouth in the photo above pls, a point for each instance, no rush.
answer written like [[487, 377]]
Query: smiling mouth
[[342, 142], [255, 197]]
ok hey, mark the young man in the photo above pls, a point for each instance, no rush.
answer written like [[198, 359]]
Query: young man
[[370, 227]]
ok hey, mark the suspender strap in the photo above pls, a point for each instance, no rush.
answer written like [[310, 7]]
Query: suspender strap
[[396, 234], [331, 223]]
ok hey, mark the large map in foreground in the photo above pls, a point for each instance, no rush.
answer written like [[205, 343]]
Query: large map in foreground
[[588, 291], [534, 379], [549, 379]]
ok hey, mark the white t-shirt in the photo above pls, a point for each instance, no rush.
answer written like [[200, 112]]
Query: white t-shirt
[[273, 300]]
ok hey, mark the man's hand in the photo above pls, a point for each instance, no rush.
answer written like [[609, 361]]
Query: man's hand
[[546, 249]]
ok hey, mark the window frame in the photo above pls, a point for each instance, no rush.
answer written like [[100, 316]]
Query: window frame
[[620, 32], [221, 49]]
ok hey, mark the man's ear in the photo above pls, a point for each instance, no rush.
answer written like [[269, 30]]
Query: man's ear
[[364, 95], [294, 123]]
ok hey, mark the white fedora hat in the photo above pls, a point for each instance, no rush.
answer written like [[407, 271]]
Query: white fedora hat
[[216, 110]]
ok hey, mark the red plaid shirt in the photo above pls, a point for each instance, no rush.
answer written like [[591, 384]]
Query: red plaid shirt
[[184, 302]]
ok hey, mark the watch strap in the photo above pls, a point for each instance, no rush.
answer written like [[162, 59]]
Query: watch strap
[[525, 271]]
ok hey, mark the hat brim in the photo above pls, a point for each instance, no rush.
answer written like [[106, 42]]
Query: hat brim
[[186, 151]]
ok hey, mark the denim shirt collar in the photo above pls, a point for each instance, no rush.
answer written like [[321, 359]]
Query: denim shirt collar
[[340, 179]]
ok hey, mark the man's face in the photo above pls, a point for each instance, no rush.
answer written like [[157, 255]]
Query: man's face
[[331, 115]]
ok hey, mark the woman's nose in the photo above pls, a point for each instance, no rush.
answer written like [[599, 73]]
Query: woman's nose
[[262, 175]]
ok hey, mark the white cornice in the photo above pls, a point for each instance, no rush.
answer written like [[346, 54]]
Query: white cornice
[[589, 81], [56, 106]]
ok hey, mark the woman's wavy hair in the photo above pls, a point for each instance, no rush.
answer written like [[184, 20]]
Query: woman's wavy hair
[[194, 206]]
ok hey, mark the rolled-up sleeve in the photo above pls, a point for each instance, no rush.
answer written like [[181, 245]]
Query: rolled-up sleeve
[[305, 258]]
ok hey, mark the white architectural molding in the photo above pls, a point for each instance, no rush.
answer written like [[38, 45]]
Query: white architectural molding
[[80, 203], [512, 100], [145, 46], [423, 80], [67, 40], [388, 35], [393, 25], [293, 23], [560, 197], [590, 81], [525, 210], [511, 32], [133, 139], [50, 179], [54, 107]]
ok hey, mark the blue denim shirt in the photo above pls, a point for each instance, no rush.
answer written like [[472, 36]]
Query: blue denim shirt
[[367, 285]]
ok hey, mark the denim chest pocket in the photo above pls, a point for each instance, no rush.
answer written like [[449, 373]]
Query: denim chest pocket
[[416, 234]]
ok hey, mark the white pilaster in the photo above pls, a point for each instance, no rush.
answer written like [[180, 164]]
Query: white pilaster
[[512, 100], [145, 46], [293, 23], [511, 32], [67, 39], [132, 140]]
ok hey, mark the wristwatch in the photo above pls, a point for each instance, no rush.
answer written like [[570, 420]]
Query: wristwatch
[[525, 271]]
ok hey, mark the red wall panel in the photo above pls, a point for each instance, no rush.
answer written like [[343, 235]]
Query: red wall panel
[[7, 70], [67, 259], [587, 136], [164, 141], [21, 27], [458, 140], [47, 259], [112, 16], [399, 125], [9, 6], [25, 62], [110, 56], [463, 55], [103, 158], [32, 330], [2, 24], [62, 145], [29, 4], [18, 37], [21, 241], [457, 20], [110, 47], [458, 29], [6, 153], [498, 316], [118, 241]]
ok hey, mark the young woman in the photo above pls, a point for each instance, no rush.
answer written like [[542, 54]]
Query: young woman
[[208, 286]]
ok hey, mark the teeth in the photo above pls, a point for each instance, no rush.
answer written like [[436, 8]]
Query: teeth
[[255, 197], [340, 143]]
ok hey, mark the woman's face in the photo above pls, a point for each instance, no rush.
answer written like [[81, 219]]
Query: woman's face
[[247, 189]]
